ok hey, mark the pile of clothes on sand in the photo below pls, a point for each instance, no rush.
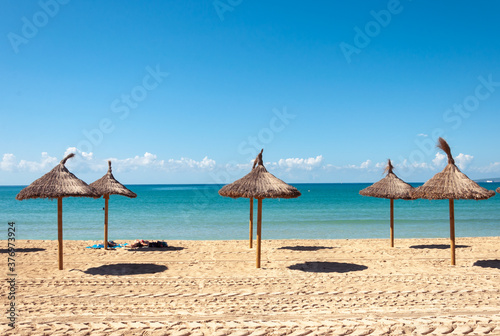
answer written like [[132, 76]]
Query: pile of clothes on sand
[[138, 243], [146, 243]]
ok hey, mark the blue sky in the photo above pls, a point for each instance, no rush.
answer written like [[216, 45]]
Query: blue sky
[[189, 91]]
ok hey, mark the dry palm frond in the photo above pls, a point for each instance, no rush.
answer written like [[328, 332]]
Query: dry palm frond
[[69, 156], [258, 159], [442, 144]]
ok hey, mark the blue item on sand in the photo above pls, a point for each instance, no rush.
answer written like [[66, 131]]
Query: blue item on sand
[[110, 245]]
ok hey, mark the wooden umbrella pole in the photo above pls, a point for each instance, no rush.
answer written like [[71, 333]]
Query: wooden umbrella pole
[[259, 229], [251, 222], [106, 201], [392, 222], [452, 231], [60, 231]]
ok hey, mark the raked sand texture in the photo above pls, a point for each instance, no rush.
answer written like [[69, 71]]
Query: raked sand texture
[[305, 287]]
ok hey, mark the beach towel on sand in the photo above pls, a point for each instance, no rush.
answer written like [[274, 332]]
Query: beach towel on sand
[[111, 244]]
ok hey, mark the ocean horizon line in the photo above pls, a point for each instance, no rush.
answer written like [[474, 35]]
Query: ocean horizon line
[[223, 184], [117, 240], [220, 184]]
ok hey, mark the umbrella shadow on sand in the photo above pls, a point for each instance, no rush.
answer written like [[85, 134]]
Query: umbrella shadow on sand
[[327, 267], [305, 248], [28, 249], [126, 269], [437, 246], [488, 263]]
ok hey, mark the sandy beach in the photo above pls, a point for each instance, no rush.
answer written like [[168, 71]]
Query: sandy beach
[[305, 287]]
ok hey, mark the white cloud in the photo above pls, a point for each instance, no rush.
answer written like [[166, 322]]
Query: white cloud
[[146, 160], [187, 163], [88, 156], [405, 165], [8, 162], [83, 161], [288, 165], [423, 135], [47, 162], [366, 164], [207, 163], [86, 162], [298, 163], [463, 160], [439, 160], [149, 160]]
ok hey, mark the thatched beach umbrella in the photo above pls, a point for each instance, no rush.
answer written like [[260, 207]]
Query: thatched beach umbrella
[[451, 184], [108, 185], [259, 184], [58, 183], [498, 190], [391, 187]]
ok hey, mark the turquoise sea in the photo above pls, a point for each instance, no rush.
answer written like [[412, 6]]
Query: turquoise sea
[[197, 212]]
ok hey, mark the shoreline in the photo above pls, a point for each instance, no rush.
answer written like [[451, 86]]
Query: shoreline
[[305, 287], [242, 240]]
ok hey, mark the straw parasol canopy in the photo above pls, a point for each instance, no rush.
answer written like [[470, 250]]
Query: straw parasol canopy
[[58, 183], [260, 184], [451, 184], [498, 190], [108, 185], [391, 187]]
